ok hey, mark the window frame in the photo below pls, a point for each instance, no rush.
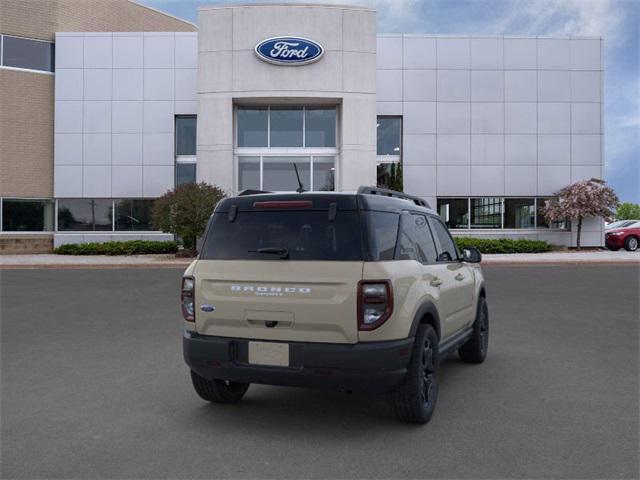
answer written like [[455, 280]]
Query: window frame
[[436, 239], [536, 228], [268, 151], [389, 159], [22, 69], [183, 159]]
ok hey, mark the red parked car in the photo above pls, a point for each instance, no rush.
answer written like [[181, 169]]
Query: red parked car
[[627, 237]]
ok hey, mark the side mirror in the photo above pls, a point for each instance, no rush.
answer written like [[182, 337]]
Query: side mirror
[[471, 255]]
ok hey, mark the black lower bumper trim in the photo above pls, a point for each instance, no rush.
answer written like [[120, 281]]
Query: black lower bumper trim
[[366, 366]]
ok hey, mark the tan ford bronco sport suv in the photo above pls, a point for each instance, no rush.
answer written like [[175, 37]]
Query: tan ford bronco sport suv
[[357, 291]]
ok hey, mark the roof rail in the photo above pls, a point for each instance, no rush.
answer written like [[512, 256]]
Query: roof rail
[[392, 193], [251, 192]]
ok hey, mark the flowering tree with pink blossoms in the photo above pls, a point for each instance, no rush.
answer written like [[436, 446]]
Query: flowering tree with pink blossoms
[[586, 198]]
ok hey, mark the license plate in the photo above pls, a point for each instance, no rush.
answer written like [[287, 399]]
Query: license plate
[[269, 353]]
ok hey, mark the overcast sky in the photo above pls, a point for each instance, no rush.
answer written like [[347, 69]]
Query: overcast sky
[[617, 21]]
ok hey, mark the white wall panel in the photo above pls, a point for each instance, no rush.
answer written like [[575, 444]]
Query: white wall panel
[[68, 149], [487, 149], [158, 51], [487, 180], [520, 180], [389, 52], [68, 84], [454, 149], [454, 117], [389, 85], [520, 118], [419, 149], [96, 117], [520, 149], [520, 53], [554, 118], [420, 180], [554, 149], [586, 54], [586, 150], [186, 50], [585, 118], [126, 181], [554, 54], [96, 181], [552, 178], [521, 85], [419, 52], [156, 180], [419, 85], [158, 84], [158, 149], [487, 85], [419, 117], [67, 181], [585, 86], [126, 149], [454, 85], [128, 84], [453, 180], [158, 117], [98, 51], [96, 149], [69, 51], [487, 53], [68, 116], [554, 86], [453, 52], [127, 51], [97, 84], [127, 117], [487, 117]]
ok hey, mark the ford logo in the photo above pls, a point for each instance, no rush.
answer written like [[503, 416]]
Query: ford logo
[[289, 51], [207, 308]]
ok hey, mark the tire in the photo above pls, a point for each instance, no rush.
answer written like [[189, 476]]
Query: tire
[[415, 400], [218, 391], [631, 243], [475, 349]]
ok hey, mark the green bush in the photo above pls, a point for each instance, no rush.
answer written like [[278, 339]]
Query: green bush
[[132, 247], [504, 245]]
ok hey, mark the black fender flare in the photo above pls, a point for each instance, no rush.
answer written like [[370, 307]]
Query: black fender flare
[[427, 308]]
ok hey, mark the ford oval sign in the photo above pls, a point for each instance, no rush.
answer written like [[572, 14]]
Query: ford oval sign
[[289, 51]]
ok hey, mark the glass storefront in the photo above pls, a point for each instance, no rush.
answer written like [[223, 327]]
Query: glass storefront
[[85, 215], [27, 215], [454, 212]]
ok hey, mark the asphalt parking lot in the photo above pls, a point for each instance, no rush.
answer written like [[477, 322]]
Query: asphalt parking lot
[[94, 386]]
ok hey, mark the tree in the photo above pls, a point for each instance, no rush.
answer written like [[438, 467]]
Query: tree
[[586, 198], [628, 211], [186, 210]]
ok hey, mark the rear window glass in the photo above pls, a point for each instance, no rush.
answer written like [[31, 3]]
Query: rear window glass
[[303, 235], [383, 232]]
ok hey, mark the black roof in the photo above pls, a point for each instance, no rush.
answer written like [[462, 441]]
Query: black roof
[[322, 201]]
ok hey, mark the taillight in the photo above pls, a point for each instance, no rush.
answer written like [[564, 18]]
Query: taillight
[[375, 303], [186, 299]]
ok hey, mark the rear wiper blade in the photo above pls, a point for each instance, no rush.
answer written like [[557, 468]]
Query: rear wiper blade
[[283, 252]]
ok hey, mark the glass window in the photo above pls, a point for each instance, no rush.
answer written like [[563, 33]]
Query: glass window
[[249, 173], [133, 215], [519, 213], [415, 241], [84, 214], [253, 124], [320, 127], [389, 132], [389, 175], [279, 173], [454, 212], [26, 215], [185, 173], [305, 235], [486, 212], [285, 125], [446, 246], [542, 222], [25, 53], [324, 169], [186, 135], [383, 233]]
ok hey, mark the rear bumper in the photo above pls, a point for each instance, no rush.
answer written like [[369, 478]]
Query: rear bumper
[[371, 367]]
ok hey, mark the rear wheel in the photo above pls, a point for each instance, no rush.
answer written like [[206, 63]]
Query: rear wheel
[[631, 244], [218, 391], [415, 400], [475, 349]]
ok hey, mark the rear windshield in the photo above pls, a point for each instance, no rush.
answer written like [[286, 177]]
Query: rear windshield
[[278, 235]]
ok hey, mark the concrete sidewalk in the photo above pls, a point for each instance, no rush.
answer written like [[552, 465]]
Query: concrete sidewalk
[[170, 261]]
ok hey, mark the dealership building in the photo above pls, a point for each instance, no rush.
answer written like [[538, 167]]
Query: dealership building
[[107, 105]]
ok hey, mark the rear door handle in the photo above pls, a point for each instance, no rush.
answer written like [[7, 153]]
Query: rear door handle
[[436, 282], [459, 277]]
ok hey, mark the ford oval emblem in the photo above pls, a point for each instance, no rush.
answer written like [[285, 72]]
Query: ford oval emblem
[[289, 51], [207, 308]]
